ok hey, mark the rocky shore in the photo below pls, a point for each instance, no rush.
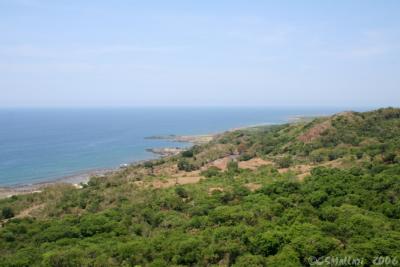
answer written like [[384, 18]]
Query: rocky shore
[[166, 151], [194, 139]]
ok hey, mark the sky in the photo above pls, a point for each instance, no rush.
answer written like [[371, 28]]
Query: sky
[[199, 53]]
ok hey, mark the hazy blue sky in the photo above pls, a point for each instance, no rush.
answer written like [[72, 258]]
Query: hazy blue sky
[[216, 52]]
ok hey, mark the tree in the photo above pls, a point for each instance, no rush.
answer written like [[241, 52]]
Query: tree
[[184, 165], [7, 213], [181, 192], [318, 197], [267, 243], [64, 257], [187, 153], [285, 162], [286, 257], [250, 260], [148, 164]]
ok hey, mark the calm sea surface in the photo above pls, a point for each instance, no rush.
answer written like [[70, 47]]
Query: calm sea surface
[[39, 145]]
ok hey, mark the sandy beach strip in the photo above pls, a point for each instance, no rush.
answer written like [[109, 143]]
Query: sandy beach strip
[[76, 179]]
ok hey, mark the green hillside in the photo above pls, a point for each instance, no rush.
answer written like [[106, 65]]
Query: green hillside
[[264, 196]]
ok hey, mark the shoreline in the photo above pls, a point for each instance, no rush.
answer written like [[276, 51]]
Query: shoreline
[[74, 179], [84, 176], [191, 139]]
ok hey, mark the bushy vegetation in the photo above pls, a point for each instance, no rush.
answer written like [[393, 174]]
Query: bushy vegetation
[[372, 136], [351, 211], [185, 165], [210, 172], [333, 212], [7, 213]]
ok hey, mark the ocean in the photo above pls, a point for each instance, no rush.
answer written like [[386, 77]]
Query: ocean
[[38, 145]]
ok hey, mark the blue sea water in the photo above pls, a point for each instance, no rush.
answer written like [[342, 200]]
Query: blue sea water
[[38, 145]]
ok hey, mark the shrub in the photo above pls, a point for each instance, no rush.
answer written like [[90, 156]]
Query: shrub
[[284, 162], [250, 260], [210, 172], [267, 243], [184, 165], [187, 153], [317, 157], [94, 224], [7, 213], [181, 192], [245, 157], [64, 257], [233, 166], [148, 164], [8, 236], [389, 157], [317, 198]]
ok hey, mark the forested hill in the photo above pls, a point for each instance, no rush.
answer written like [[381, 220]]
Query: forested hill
[[279, 195]]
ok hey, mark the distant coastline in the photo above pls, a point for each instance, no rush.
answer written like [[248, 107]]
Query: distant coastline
[[84, 176], [74, 179], [171, 151], [69, 141]]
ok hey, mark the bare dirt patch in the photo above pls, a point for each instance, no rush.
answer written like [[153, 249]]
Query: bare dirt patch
[[165, 169], [304, 170], [176, 181], [222, 163], [180, 178], [302, 176], [252, 186], [254, 163], [301, 170], [283, 170], [163, 183], [315, 132], [215, 189], [333, 164], [29, 212]]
